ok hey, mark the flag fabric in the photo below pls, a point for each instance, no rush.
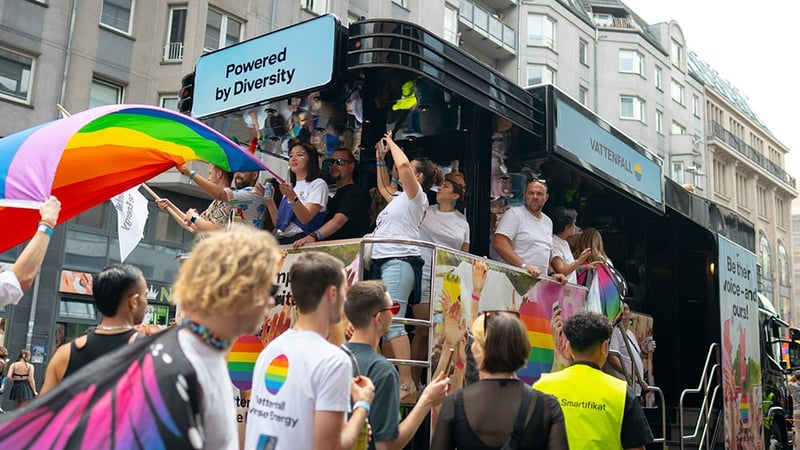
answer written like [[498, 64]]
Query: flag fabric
[[132, 214]]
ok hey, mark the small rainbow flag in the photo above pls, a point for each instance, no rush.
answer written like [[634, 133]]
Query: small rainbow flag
[[540, 337], [276, 374], [744, 408], [242, 361]]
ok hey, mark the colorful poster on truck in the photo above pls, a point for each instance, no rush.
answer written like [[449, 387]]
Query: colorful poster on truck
[[741, 360], [465, 285]]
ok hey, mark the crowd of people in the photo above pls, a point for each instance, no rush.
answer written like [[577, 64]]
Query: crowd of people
[[307, 392]]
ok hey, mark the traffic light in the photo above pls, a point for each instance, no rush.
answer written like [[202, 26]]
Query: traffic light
[[186, 94]]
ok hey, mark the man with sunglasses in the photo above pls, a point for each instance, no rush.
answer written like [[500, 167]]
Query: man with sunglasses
[[524, 236], [600, 411], [369, 308], [348, 210]]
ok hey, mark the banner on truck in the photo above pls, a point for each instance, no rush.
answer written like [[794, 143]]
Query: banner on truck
[[741, 359]]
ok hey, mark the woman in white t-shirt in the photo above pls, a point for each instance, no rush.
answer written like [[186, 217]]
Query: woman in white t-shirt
[[443, 225], [562, 259], [305, 196], [400, 265]]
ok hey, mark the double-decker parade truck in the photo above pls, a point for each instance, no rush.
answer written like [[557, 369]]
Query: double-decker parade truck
[[718, 376]]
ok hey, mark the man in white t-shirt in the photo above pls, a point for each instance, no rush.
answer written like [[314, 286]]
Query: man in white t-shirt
[[524, 236], [302, 383], [13, 282]]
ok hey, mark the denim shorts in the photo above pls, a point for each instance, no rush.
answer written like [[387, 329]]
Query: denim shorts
[[398, 275]]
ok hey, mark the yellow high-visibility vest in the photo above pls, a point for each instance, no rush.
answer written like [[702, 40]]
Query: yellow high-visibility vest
[[593, 403]]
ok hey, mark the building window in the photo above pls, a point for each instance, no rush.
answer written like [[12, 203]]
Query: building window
[[695, 105], [169, 102], [657, 77], [677, 128], [742, 197], [765, 256], [221, 31], [173, 51], [677, 172], [166, 229], [583, 52], [784, 273], [85, 252], [541, 30], [104, 93], [631, 108], [659, 122], [677, 92], [321, 6], [761, 201], [400, 2], [677, 53], [631, 62], [583, 96], [75, 309], [719, 177], [116, 14], [451, 24], [15, 75], [780, 212], [540, 74]]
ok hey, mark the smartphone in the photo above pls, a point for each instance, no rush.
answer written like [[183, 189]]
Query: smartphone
[[556, 306], [381, 146], [448, 367]]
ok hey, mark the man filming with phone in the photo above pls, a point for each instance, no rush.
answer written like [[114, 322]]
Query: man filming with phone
[[370, 309]]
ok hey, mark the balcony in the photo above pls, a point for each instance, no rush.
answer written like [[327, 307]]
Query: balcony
[[173, 52], [716, 130], [485, 32], [500, 5]]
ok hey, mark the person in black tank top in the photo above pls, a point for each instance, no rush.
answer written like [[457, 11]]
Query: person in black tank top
[[120, 294]]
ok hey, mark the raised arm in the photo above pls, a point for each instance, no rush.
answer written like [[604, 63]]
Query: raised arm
[[30, 260], [404, 167], [216, 192]]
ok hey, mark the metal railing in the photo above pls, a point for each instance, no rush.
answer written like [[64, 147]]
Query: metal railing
[[173, 52], [715, 129], [483, 21], [707, 379]]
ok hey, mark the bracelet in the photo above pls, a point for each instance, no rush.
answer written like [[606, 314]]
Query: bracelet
[[191, 175], [459, 365], [476, 298], [45, 228], [380, 164], [194, 219], [361, 404], [318, 235], [296, 199], [395, 181], [522, 266]]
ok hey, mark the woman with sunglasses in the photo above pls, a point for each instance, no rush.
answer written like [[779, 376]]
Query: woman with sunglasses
[[482, 415], [305, 196], [400, 265]]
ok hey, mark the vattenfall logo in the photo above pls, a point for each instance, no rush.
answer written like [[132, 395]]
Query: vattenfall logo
[[616, 159]]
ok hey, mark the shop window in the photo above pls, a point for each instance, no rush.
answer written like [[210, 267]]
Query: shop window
[[15, 75], [116, 14], [74, 309], [104, 93], [221, 31]]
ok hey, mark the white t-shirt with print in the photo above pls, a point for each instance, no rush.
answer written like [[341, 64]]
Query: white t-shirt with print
[[444, 228], [297, 374], [314, 192], [562, 250], [400, 219], [10, 289], [249, 207], [531, 238], [219, 412]]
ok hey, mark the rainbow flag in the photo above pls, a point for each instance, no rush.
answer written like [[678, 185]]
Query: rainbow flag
[[540, 337], [744, 408], [610, 297], [242, 361]]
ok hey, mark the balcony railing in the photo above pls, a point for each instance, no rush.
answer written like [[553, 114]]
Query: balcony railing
[[715, 129], [483, 21], [173, 52]]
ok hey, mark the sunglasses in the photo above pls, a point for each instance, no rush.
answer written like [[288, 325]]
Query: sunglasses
[[273, 290], [395, 309], [341, 162], [492, 313]]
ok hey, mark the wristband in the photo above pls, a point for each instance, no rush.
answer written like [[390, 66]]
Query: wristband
[[45, 228], [522, 266], [194, 219], [459, 365], [361, 404], [191, 175], [296, 199], [476, 298], [380, 164], [318, 235], [395, 181]]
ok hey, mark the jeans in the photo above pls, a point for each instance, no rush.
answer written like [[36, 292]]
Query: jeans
[[398, 275]]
